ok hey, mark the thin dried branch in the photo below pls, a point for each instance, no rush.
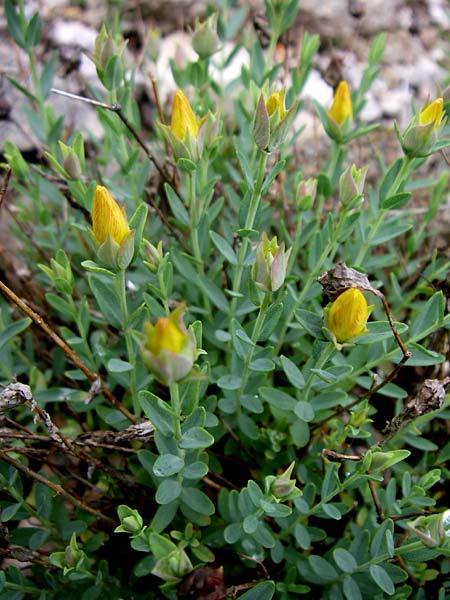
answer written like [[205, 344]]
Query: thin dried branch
[[56, 488], [73, 356]]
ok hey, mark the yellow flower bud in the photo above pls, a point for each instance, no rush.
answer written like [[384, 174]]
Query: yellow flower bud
[[183, 119], [432, 113], [169, 348], [341, 107], [422, 133], [108, 218], [347, 316]]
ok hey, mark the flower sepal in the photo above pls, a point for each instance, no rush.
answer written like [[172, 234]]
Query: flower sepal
[[113, 255]]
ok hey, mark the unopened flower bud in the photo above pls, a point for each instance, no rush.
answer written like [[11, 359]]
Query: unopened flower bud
[[340, 113], [422, 133], [283, 485], [105, 48], [72, 164], [351, 184], [153, 255], [187, 135], [130, 520], [72, 553], [174, 566], [169, 350], [306, 193], [347, 316], [205, 40], [433, 530], [272, 121], [270, 266], [111, 230]]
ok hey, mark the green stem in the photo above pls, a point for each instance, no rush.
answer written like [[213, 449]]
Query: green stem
[[255, 336], [163, 288], [327, 352], [122, 293], [396, 184], [176, 407], [195, 210], [86, 347], [295, 243], [249, 222], [329, 250]]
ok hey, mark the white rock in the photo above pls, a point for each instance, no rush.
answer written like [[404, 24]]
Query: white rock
[[317, 89], [74, 33]]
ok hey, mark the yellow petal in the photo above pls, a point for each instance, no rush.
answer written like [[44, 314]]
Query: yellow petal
[[183, 119], [165, 335], [108, 218], [341, 107], [275, 101], [432, 113], [347, 316]]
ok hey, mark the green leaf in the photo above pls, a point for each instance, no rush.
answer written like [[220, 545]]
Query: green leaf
[[273, 173], [12, 330], [322, 568], [292, 372], [263, 365], [264, 536], [331, 511], [304, 411], [167, 465], [197, 500], [48, 73], [351, 589], [396, 201], [379, 545], [9, 512], [106, 298], [379, 331], [312, 322], [157, 411], [33, 31], [384, 460], [196, 438], [168, 491], [277, 398], [243, 162], [195, 470], [248, 426], [14, 22], [428, 318], [382, 579], [261, 591], [229, 382], [345, 560], [223, 247], [116, 365], [177, 207]]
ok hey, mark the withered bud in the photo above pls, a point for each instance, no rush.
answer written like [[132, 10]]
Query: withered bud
[[429, 397], [340, 278]]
